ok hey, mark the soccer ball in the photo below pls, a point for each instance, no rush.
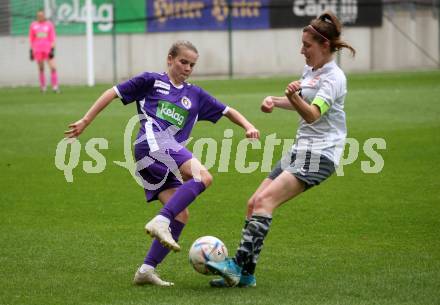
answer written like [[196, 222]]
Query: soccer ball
[[205, 249]]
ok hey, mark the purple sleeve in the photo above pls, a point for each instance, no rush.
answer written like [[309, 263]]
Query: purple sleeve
[[135, 89], [210, 108]]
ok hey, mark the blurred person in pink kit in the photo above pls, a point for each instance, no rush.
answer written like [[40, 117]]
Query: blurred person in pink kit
[[42, 41]]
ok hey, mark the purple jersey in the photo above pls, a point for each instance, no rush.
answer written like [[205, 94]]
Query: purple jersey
[[168, 106]]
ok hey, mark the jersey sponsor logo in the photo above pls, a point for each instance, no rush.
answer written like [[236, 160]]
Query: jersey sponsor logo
[[41, 34], [161, 84], [162, 91], [171, 113], [314, 81], [186, 102]]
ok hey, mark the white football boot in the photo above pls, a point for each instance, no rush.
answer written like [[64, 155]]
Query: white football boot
[[149, 277], [160, 229]]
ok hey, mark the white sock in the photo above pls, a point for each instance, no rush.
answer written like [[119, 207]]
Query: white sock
[[162, 219], [144, 268]]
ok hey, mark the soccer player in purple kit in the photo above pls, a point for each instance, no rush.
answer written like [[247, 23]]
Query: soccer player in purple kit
[[168, 108]]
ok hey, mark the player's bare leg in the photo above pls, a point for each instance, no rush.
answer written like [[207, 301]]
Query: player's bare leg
[[283, 188], [53, 75], [246, 280], [41, 76]]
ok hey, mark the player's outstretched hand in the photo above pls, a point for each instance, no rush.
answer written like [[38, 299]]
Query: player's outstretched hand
[[267, 105], [76, 129], [252, 133], [292, 88]]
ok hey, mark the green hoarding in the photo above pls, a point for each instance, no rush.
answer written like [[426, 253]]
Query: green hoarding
[[126, 16]]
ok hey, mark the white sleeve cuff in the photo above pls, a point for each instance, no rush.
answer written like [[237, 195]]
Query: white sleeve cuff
[[117, 92]]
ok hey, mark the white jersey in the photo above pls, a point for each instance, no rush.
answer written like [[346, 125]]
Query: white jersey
[[326, 135]]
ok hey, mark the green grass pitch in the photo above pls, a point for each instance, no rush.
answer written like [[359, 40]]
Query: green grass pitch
[[356, 239]]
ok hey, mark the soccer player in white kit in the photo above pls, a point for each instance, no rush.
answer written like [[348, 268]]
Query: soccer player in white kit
[[318, 97]]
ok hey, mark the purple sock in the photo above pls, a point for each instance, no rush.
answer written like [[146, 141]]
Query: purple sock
[[157, 252], [185, 194]]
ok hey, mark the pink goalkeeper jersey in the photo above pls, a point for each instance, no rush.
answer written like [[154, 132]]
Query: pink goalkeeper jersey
[[41, 35]]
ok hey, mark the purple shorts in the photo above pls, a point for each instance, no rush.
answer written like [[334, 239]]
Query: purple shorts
[[157, 171]]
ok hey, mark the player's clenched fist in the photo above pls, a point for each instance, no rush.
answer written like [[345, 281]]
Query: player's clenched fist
[[292, 88], [252, 133], [268, 104]]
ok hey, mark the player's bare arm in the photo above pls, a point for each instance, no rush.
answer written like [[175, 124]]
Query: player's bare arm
[[310, 113], [270, 102], [78, 127], [237, 118]]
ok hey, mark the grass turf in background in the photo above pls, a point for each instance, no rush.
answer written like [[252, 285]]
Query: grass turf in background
[[357, 239]]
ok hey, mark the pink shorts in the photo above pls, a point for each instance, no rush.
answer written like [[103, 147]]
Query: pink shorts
[[41, 55]]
